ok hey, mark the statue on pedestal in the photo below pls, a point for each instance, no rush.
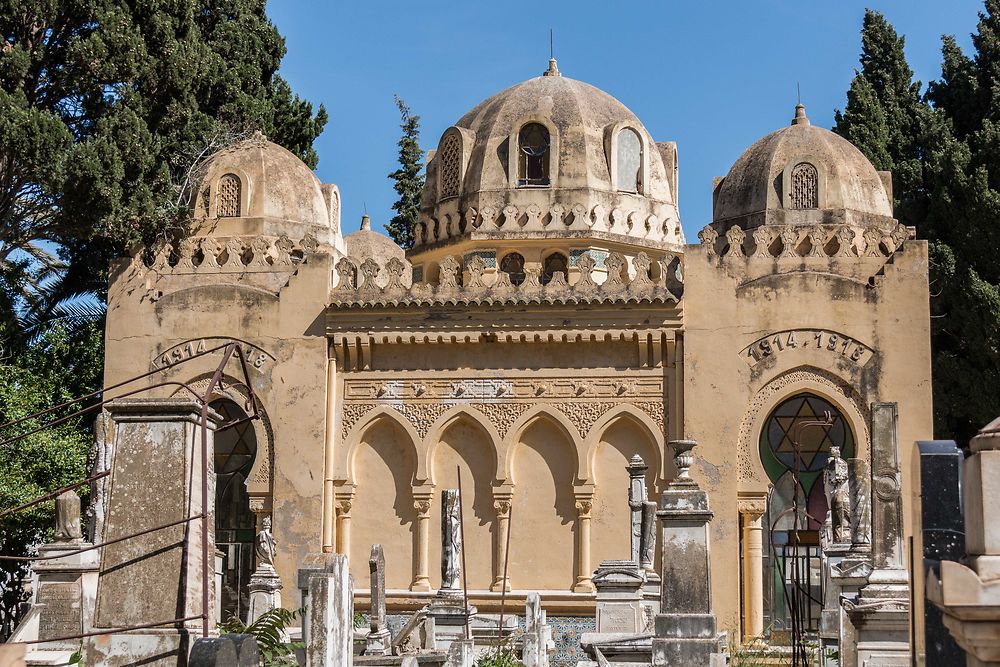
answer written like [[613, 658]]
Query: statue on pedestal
[[266, 546], [838, 497]]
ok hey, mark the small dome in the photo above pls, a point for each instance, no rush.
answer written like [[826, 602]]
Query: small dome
[[558, 155], [257, 186], [365, 243], [802, 173]]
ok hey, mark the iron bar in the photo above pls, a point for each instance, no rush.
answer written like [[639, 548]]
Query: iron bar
[[108, 543], [49, 496], [111, 631], [465, 572]]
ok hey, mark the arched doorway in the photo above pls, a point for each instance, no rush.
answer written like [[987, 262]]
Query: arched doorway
[[794, 447], [235, 529]]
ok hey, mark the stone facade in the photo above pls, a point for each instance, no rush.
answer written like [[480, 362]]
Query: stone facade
[[549, 325]]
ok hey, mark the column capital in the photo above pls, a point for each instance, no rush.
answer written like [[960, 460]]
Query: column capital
[[502, 506], [422, 505], [752, 507], [584, 505]]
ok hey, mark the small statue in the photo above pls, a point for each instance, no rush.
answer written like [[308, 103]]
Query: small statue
[[838, 497], [68, 517], [267, 546]]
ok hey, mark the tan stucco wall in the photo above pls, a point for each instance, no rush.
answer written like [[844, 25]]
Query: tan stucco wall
[[732, 302]]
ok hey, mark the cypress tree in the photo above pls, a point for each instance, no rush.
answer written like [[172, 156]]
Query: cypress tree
[[409, 181], [942, 149]]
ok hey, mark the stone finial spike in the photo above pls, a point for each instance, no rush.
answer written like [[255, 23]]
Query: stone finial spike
[[366, 223], [553, 69], [800, 115]]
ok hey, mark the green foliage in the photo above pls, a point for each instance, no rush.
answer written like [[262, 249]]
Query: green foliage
[[63, 363], [409, 183], [104, 105], [269, 631], [944, 152], [360, 621], [502, 656]]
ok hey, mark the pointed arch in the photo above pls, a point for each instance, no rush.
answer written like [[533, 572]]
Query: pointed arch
[[443, 423], [645, 423], [345, 454], [517, 429]]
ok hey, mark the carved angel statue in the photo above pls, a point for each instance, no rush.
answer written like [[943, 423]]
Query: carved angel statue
[[266, 546], [451, 541], [838, 496]]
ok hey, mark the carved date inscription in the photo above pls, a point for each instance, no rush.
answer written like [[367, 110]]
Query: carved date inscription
[[831, 342], [256, 357]]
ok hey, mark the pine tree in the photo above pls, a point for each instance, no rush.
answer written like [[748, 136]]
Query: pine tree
[[943, 151], [409, 183], [103, 106]]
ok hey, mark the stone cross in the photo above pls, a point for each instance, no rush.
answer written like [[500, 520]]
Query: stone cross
[[637, 495], [451, 541], [68, 517], [378, 634]]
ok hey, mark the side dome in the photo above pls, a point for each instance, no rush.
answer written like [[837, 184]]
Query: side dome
[[551, 157], [803, 174], [255, 186]]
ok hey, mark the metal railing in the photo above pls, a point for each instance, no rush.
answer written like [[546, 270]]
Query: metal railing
[[204, 398]]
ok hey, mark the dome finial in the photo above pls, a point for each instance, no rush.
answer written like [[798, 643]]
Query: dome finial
[[800, 115], [553, 69], [366, 223]]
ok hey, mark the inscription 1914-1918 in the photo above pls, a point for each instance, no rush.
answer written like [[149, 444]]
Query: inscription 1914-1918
[[830, 342], [256, 357]]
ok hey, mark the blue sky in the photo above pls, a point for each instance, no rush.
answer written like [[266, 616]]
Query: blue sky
[[712, 76]]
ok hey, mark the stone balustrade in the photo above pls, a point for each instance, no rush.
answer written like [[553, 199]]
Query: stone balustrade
[[383, 284], [233, 254], [556, 217], [778, 242]]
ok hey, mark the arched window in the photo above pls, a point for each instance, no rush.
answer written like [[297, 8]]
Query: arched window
[[228, 198], [553, 263], [794, 447], [533, 155], [513, 265], [805, 186], [451, 166], [629, 161], [235, 529]]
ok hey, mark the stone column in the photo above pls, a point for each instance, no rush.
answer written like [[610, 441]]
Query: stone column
[[751, 510], [378, 635], [637, 495], [685, 627], [502, 507], [448, 607], [156, 479], [422, 578], [880, 613], [344, 524], [584, 504]]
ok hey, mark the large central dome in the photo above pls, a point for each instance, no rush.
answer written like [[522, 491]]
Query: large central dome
[[548, 158]]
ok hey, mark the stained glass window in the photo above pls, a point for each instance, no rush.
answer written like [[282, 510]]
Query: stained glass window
[[794, 447], [629, 165], [533, 155]]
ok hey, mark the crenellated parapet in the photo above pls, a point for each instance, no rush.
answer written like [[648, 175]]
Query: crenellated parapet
[[371, 283], [232, 254]]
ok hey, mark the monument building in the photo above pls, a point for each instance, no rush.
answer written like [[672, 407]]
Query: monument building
[[550, 323]]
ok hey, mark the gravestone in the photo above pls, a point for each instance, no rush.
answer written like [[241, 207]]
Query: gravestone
[[537, 633], [619, 598], [447, 610], [685, 627], [377, 642], [938, 475], [331, 617], [225, 651], [156, 479]]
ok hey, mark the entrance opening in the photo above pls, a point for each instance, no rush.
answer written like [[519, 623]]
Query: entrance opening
[[235, 530], [794, 447]]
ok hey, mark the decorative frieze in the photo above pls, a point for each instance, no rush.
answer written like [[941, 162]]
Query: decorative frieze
[[233, 254], [819, 240]]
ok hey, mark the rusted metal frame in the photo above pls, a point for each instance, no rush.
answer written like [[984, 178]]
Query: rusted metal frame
[[112, 630], [106, 389], [100, 404], [55, 493], [109, 542]]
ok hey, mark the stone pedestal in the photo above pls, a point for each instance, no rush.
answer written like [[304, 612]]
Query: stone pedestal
[[969, 594], [685, 628], [623, 632], [265, 592], [156, 479]]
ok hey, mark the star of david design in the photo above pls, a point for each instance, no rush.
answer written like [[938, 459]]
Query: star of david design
[[814, 441], [236, 446]]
